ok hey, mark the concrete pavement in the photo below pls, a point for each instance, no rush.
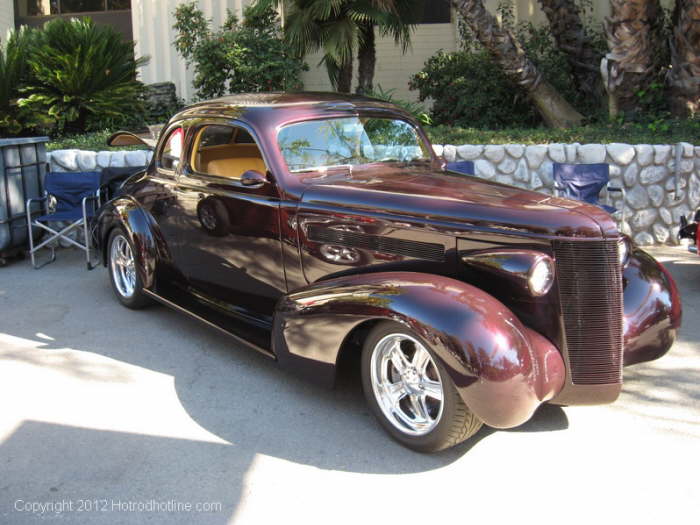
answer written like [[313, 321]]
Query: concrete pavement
[[114, 416]]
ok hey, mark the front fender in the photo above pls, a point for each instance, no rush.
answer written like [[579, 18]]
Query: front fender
[[652, 309], [502, 369], [141, 229]]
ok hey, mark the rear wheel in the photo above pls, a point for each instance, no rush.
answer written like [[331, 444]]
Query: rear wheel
[[126, 283], [410, 392]]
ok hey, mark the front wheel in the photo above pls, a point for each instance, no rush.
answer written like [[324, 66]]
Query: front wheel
[[125, 280], [410, 392]]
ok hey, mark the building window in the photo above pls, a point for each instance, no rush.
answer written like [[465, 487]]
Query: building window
[[59, 7], [436, 12]]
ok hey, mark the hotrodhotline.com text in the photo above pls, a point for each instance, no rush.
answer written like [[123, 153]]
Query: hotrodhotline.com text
[[114, 505]]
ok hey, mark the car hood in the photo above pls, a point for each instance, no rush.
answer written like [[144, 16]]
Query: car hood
[[457, 200]]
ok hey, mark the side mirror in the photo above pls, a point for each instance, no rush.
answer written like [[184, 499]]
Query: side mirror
[[126, 138], [253, 179]]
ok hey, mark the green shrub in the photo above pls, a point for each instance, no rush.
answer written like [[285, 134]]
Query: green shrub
[[240, 57], [83, 76], [469, 90], [14, 74], [414, 108]]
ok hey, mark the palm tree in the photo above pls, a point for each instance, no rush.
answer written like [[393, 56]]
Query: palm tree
[[510, 55], [570, 35], [684, 76], [634, 42], [338, 27], [14, 73], [395, 18]]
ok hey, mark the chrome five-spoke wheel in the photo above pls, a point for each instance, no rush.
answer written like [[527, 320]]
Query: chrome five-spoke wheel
[[123, 274], [122, 266], [407, 384], [410, 392]]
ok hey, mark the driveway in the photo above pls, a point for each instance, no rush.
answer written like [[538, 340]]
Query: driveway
[[115, 416]]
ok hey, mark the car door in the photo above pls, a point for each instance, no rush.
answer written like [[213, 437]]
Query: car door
[[230, 238], [157, 195]]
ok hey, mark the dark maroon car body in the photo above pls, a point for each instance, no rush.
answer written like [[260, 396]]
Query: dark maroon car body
[[312, 260]]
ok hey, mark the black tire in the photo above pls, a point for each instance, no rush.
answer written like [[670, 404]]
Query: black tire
[[137, 299], [455, 424]]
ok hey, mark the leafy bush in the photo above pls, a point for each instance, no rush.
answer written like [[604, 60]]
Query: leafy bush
[[83, 76], [240, 57], [414, 108], [15, 120], [470, 90], [665, 132]]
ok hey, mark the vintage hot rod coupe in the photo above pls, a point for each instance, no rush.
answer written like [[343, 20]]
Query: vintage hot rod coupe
[[309, 226]]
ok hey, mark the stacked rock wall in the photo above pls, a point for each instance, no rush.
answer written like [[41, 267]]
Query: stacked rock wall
[[81, 160], [655, 198]]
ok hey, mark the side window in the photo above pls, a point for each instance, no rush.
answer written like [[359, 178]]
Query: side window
[[225, 151], [171, 153]]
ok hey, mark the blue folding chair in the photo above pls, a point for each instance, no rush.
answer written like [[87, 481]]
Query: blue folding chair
[[65, 199], [584, 182], [463, 166]]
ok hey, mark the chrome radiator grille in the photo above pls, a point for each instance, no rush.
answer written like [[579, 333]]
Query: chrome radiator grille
[[590, 291]]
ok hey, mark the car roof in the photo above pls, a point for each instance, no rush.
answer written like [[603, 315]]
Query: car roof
[[273, 109]]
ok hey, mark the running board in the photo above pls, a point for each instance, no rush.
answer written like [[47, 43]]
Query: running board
[[238, 339]]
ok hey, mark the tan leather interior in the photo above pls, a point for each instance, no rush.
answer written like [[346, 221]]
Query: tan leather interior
[[229, 160], [233, 168]]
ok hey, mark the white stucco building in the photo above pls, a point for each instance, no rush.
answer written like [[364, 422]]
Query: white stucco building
[[149, 23]]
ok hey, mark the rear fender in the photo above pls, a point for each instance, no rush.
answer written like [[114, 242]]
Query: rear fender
[[502, 369], [141, 230]]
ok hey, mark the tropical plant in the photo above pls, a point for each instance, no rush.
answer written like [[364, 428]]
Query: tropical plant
[[414, 108], [684, 76], [82, 75], [512, 59], [636, 47], [339, 27], [14, 73], [247, 56]]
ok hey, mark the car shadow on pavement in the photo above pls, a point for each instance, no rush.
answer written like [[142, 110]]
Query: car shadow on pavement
[[81, 475]]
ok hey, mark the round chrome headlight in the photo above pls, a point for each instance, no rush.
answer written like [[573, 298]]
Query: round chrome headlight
[[541, 275]]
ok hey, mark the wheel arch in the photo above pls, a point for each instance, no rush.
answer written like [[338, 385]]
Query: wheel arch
[[142, 230], [502, 369]]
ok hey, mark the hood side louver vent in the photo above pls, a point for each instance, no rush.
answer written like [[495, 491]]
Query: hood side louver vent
[[376, 243]]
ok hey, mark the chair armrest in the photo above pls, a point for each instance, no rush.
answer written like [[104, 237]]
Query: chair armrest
[[37, 199]]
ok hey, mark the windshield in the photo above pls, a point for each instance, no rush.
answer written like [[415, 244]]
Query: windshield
[[319, 144]]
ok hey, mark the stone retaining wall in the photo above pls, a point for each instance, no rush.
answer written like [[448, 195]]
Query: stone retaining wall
[[81, 160], [653, 207]]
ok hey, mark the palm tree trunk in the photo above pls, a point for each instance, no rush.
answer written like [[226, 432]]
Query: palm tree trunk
[[367, 59], [509, 54], [571, 38], [345, 77], [684, 77], [634, 41]]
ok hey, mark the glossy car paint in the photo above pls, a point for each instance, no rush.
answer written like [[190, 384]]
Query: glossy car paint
[[652, 309], [502, 369], [499, 343]]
